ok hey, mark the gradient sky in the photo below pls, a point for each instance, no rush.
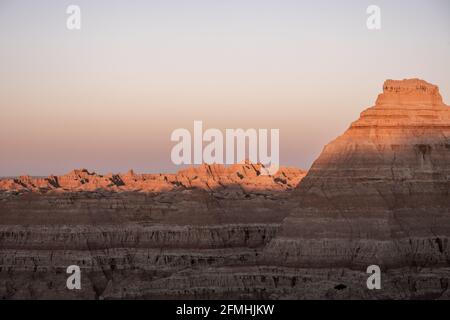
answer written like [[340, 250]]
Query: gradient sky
[[107, 97]]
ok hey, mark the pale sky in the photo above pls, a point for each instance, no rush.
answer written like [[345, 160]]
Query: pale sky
[[108, 96]]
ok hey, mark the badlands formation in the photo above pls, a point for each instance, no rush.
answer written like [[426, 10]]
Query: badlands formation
[[129, 232], [211, 178], [377, 195]]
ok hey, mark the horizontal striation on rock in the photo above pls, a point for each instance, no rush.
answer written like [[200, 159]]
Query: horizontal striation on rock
[[209, 219], [379, 193]]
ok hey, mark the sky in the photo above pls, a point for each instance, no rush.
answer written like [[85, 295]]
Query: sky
[[107, 97]]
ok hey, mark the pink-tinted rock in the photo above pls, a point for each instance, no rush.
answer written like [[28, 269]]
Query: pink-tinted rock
[[207, 177], [379, 193]]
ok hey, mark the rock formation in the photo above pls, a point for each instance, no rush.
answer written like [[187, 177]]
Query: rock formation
[[380, 191], [126, 231], [207, 177], [377, 195]]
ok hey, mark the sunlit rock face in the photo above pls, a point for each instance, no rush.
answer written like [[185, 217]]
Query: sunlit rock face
[[379, 193], [208, 177], [409, 93]]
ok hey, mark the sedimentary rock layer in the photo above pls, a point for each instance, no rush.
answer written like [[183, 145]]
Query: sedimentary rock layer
[[379, 193], [125, 235]]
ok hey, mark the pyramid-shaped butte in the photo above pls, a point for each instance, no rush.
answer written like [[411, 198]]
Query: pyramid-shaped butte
[[379, 193]]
